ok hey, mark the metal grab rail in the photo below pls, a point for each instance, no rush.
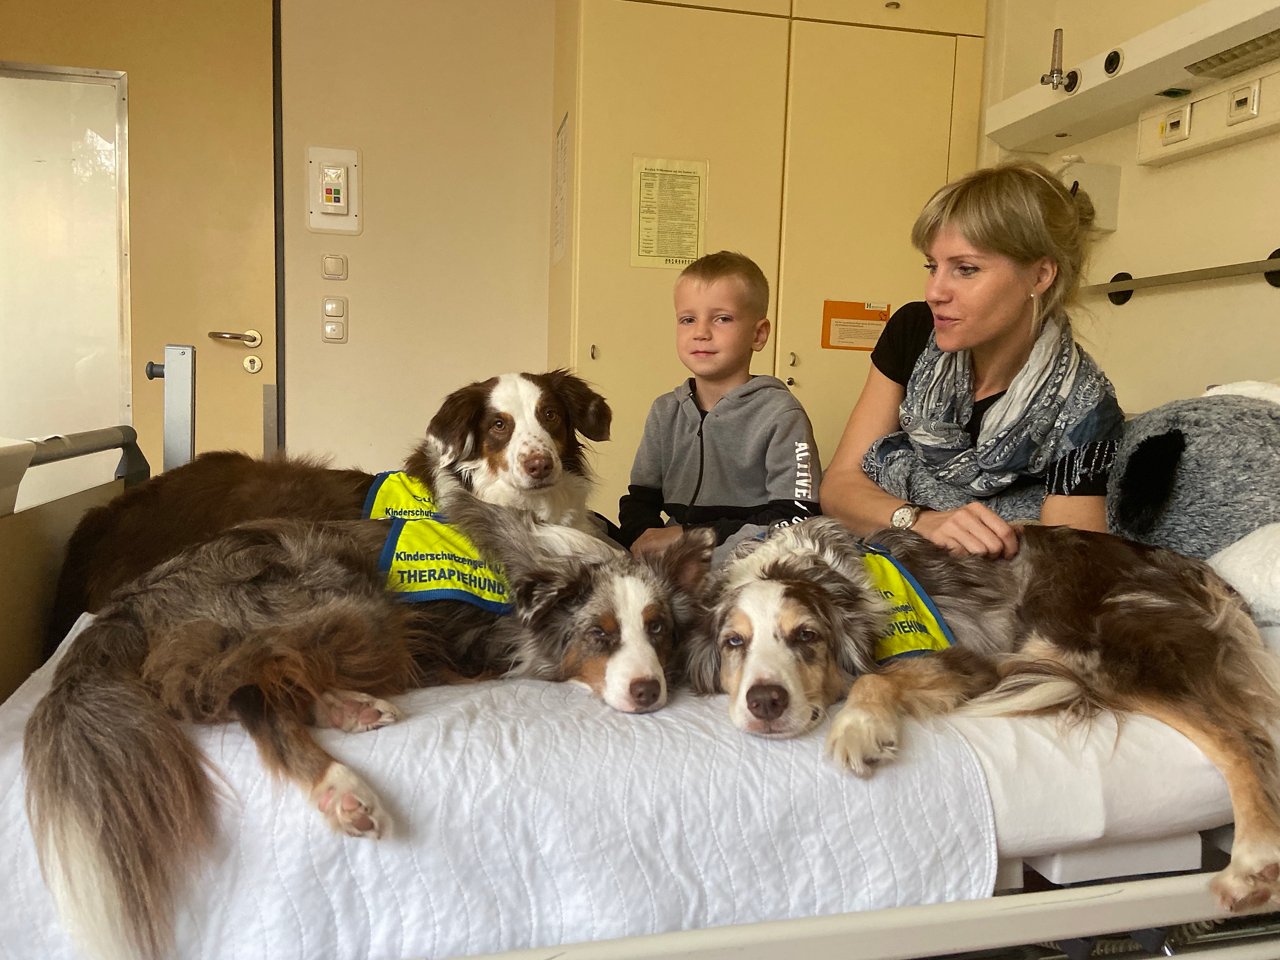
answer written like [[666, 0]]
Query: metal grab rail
[[133, 467], [1121, 287]]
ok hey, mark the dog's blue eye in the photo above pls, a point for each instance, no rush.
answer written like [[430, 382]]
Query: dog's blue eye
[[656, 627], [596, 633], [806, 635], [732, 640]]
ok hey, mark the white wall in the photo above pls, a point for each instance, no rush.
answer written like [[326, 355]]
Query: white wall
[[450, 105], [1218, 208]]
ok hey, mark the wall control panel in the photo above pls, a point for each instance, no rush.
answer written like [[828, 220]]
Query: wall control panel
[[333, 186], [333, 190]]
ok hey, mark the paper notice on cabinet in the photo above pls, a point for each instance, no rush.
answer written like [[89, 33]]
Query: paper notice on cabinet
[[560, 194], [852, 325], [668, 211]]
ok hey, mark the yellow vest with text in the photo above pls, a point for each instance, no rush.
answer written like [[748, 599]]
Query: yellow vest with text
[[430, 560], [915, 626], [424, 558], [397, 495]]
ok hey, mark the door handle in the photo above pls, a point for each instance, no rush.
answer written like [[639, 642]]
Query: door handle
[[250, 338]]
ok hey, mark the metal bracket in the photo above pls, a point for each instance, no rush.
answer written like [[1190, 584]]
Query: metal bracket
[[179, 375]]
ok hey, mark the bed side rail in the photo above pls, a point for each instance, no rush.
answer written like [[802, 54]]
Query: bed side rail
[[18, 456]]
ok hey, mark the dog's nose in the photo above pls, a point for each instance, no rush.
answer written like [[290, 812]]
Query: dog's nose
[[538, 466], [767, 701], [645, 693]]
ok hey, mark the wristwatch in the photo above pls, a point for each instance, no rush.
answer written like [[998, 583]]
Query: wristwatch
[[904, 518]]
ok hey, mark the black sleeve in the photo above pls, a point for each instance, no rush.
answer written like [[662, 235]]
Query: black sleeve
[[786, 511], [902, 341], [640, 509], [1083, 471]]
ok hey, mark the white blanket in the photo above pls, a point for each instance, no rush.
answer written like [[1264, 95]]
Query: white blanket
[[529, 814]]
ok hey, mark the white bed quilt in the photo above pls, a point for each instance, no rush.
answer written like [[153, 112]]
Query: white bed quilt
[[529, 814]]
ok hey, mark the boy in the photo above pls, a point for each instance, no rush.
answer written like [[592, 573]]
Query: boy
[[725, 449]]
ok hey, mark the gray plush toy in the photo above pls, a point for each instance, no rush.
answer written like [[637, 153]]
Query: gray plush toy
[[1198, 475]]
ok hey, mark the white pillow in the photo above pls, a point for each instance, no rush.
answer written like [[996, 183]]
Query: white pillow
[[1252, 566]]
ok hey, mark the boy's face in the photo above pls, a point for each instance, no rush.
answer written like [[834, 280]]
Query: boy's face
[[716, 332]]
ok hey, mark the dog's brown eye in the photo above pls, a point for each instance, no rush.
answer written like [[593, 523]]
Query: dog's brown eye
[[551, 416], [498, 424], [596, 633]]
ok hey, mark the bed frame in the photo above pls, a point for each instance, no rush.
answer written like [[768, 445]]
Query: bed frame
[[1068, 916], [1062, 916]]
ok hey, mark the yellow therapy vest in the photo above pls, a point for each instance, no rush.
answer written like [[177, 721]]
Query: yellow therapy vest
[[915, 626], [424, 558], [397, 495], [430, 560]]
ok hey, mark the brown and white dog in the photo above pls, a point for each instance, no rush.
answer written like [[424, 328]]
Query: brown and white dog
[[280, 624], [514, 438], [1075, 622]]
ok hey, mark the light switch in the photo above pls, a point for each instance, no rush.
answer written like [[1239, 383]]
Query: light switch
[[333, 267], [334, 331], [335, 306]]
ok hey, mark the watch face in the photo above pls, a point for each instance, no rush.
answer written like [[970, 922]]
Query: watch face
[[903, 517]]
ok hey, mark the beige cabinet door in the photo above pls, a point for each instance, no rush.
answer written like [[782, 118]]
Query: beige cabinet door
[[868, 140], [672, 83]]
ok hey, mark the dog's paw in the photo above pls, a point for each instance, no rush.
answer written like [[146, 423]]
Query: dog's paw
[[1251, 879], [349, 804], [354, 712], [860, 740]]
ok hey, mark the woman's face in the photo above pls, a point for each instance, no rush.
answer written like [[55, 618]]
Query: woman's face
[[980, 300]]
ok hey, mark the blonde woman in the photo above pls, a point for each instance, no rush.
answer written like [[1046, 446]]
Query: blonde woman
[[980, 409]]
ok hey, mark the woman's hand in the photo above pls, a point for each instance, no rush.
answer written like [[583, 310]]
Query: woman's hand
[[971, 529]]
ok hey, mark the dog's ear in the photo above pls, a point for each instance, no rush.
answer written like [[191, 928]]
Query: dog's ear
[[701, 655], [859, 616], [537, 598], [457, 421], [685, 562], [589, 411]]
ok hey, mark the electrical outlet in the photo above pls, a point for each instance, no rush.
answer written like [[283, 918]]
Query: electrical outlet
[[1242, 103], [1176, 125]]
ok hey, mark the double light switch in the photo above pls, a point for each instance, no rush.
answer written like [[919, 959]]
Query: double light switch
[[334, 309]]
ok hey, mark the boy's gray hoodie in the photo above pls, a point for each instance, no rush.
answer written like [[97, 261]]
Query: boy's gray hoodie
[[751, 460]]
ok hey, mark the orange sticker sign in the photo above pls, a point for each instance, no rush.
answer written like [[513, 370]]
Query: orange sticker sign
[[852, 325]]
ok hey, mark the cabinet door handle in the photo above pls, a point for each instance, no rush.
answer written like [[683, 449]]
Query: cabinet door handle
[[792, 361], [593, 351]]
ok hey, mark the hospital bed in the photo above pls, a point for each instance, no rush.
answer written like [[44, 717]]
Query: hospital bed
[[532, 821]]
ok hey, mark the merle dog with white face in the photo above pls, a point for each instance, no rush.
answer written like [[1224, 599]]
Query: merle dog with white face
[[1075, 622]]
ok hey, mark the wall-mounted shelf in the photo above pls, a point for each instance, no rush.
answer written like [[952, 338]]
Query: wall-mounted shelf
[[1040, 119]]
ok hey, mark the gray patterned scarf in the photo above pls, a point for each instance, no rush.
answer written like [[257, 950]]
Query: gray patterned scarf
[[1058, 401]]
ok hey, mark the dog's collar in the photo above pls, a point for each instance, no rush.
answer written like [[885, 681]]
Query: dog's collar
[[915, 626]]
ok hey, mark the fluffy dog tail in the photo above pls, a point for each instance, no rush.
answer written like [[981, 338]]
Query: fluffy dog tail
[[1034, 687], [118, 798]]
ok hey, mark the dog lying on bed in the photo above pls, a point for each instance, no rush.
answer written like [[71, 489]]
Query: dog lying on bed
[[1075, 622], [283, 623], [513, 438]]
